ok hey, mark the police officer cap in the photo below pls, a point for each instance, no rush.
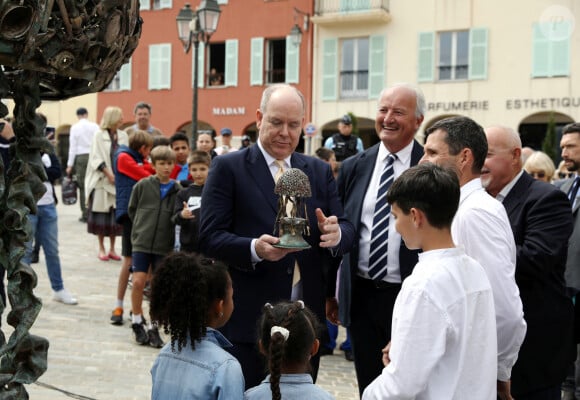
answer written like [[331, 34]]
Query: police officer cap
[[346, 119]]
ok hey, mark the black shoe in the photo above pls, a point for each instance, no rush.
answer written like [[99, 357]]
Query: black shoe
[[349, 355], [325, 351], [141, 336], [117, 316], [83, 219], [34, 257], [154, 338]]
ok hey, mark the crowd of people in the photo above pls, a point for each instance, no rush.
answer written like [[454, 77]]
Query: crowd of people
[[452, 264]]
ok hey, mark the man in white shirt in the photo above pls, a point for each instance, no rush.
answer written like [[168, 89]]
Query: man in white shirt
[[80, 139], [482, 228], [443, 342]]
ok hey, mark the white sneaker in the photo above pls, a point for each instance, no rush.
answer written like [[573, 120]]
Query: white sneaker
[[65, 297]]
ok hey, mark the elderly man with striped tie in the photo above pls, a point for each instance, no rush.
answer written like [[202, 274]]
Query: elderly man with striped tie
[[372, 272]]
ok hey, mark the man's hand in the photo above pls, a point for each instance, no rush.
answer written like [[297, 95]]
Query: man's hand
[[265, 249], [330, 229], [68, 171], [386, 358], [504, 390], [332, 310]]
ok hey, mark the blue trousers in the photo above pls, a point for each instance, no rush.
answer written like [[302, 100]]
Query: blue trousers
[[44, 227]]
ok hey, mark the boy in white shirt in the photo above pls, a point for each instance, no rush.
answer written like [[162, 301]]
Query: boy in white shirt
[[444, 342]]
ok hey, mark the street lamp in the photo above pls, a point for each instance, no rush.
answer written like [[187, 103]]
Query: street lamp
[[194, 27], [296, 32]]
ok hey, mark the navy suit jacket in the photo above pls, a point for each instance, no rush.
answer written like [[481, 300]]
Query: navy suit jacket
[[353, 181], [239, 205], [541, 220]]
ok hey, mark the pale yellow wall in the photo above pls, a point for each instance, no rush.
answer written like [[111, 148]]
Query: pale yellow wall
[[509, 24], [64, 112]]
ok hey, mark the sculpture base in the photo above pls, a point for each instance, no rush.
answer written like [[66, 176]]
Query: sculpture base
[[291, 234]]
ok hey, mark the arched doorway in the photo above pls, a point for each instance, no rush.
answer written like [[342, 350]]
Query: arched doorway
[[363, 127], [533, 128]]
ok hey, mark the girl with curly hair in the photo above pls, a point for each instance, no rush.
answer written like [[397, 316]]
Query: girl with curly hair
[[190, 299], [288, 340]]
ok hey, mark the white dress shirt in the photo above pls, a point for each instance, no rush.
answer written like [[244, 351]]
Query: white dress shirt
[[443, 334], [80, 139], [402, 163], [481, 226]]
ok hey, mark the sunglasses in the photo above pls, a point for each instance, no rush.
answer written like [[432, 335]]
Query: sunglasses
[[540, 174], [564, 175]]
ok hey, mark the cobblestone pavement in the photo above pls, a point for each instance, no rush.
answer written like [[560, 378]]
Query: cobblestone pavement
[[90, 359]]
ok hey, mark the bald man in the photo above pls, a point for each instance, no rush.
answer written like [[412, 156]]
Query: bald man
[[541, 219]]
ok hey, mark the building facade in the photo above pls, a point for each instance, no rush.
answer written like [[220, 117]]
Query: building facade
[[514, 63], [249, 50]]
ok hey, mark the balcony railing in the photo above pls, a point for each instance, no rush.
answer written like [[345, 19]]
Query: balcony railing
[[324, 7]]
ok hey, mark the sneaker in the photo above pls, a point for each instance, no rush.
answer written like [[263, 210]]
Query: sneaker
[[64, 297], [141, 336], [154, 338], [117, 316]]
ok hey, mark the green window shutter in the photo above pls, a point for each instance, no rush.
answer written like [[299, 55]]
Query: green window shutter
[[257, 61], [125, 76], [160, 66], [426, 68], [377, 67], [166, 66], [540, 53], [560, 49], [329, 65], [292, 61], [231, 75], [200, 66], [478, 53]]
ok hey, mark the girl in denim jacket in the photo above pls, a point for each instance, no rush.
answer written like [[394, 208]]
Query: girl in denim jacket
[[288, 340], [190, 299]]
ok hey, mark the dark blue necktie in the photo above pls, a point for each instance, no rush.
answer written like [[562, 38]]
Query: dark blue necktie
[[574, 190], [380, 230]]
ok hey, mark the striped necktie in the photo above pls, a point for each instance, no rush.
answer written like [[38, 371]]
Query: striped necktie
[[380, 231], [574, 190]]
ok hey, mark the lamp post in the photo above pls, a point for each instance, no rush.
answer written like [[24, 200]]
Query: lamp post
[[194, 27]]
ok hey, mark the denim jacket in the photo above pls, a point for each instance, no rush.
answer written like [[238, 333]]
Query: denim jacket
[[208, 372], [292, 387]]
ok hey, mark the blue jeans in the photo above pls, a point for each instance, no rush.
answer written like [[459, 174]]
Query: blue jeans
[[333, 334], [44, 227]]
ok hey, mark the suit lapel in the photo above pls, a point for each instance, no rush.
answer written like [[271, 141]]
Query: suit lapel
[[364, 170], [516, 195], [260, 173]]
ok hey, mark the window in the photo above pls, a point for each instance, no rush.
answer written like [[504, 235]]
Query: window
[[161, 4], [282, 61], [551, 49], [460, 55], [354, 68], [453, 55], [223, 58], [122, 79], [276, 59], [160, 66], [144, 5]]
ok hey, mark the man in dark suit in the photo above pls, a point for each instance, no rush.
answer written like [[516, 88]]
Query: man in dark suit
[[541, 221], [570, 145], [239, 213], [366, 302]]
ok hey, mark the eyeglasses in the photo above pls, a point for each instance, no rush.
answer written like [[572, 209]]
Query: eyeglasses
[[564, 175], [540, 174]]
